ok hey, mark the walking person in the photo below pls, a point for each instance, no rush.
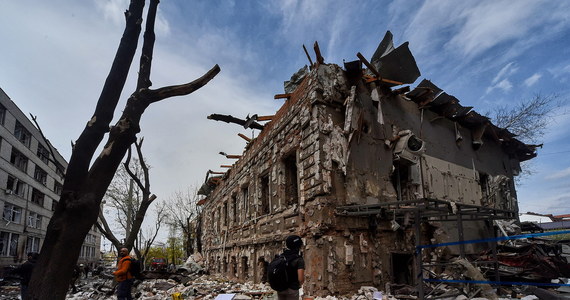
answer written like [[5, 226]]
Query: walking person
[[25, 271], [123, 276], [295, 268]]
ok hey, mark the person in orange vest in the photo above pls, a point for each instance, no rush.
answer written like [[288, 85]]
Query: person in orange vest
[[124, 276]]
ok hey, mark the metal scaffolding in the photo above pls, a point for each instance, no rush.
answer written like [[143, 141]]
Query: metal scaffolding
[[435, 210]]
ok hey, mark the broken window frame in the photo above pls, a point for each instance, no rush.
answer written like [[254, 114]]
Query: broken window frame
[[57, 188], [22, 134], [9, 243], [40, 175], [43, 153], [34, 220], [38, 197], [32, 244], [12, 213], [19, 160], [15, 186]]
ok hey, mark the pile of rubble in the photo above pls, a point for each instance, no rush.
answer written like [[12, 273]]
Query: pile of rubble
[[531, 260]]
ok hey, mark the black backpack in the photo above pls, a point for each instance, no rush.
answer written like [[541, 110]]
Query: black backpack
[[135, 269], [277, 273]]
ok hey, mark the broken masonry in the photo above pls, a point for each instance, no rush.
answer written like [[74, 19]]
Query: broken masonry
[[364, 170]]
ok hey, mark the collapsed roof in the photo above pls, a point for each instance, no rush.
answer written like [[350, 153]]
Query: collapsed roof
[[390, 67]]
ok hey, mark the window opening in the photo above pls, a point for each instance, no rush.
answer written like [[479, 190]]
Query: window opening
[[402, 268], [291, 179], [40, 175], [245, 268], [19, 160], [225, 214], [245, 199], [22, 134], [43, 153], [8, 243], [12, 213], [264, 181], [38, 197], [2, 114], [235, 209], [35, 220], [32, 244]]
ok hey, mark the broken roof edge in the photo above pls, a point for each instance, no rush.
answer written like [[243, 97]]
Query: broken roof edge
[[426, 95], [279, 115]]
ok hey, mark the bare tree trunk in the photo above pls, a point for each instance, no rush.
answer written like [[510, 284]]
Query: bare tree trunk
[[133, 226], [84, 187]]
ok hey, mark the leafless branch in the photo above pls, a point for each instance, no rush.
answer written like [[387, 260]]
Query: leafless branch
[[529, 119], [183, 89], [58, 166]]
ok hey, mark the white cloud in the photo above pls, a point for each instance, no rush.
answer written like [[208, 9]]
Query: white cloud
[[560, 71], [532, 79], [501, 80], [504, 85], [113, 10], [490, 23], [559, 174], [464, 30], [506, 71]]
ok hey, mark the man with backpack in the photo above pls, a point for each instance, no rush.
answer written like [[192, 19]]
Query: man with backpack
[[25, 271], [286, 273], [123, 275]]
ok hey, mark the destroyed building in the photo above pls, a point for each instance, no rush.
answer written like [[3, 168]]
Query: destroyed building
[[364, 170]]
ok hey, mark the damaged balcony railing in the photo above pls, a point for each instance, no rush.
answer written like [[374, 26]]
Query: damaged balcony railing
[[432, 209]]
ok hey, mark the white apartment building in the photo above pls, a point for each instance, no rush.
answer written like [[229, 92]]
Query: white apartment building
[[30, 186]]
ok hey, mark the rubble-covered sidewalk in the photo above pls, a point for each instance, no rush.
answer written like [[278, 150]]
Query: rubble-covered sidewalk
[[209, 287]]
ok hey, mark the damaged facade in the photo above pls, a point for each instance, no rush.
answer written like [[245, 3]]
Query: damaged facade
[[364, 171]]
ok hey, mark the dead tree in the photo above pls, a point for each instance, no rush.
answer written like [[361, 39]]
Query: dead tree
[[148, 237], [134, 219], [85, 183], [183, 213]]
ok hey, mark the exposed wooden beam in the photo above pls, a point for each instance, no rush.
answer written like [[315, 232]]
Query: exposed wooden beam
[[243, 136], [281, 96]]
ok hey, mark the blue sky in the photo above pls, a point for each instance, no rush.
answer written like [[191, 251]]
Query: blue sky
[[55, 56]]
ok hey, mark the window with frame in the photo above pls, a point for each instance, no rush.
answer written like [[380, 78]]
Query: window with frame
[[90, 238], [35, 220], [16, 186], [22, 134], [2, 114], [40, 175], [59, 170], [43, 153], [32, 244], [53, 205], [19, 160], [57, 188], [8, 243], [12, 213], [38, 197]]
